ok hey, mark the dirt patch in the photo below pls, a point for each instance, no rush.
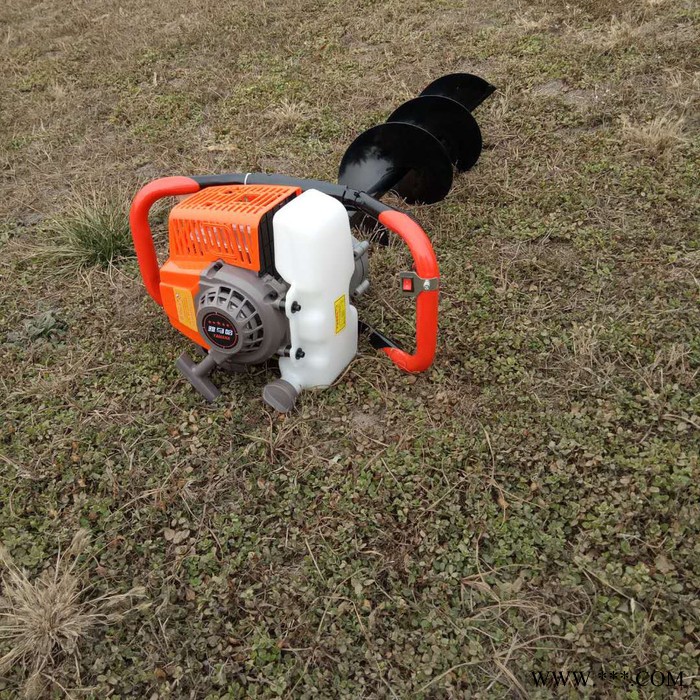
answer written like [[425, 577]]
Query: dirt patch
[[577, 97]]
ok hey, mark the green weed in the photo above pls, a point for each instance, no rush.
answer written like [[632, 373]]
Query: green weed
[[94, 232]]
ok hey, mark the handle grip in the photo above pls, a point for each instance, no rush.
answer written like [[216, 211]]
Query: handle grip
[[426, 301], [141, 231]]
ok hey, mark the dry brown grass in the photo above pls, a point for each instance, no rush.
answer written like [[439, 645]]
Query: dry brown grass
[[43, 621], [622, 32], [660, 137], [585, 342], [645, 26], [288, 113]]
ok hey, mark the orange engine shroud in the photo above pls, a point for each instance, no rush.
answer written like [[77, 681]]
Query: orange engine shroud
[[231, 223]]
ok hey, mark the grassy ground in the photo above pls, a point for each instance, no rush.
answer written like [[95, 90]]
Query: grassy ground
[[530, 503]]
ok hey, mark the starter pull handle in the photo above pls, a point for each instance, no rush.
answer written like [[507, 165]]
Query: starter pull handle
[[428, 274], [145, 198]]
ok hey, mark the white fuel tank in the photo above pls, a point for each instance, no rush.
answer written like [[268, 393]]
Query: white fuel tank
[[314, 254]]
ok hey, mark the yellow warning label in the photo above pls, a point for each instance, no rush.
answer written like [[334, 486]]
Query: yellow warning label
[[185, 307], [339, 313]]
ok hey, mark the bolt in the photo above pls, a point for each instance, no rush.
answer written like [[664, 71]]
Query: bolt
[[299, 354], [296, 306], [360, 249], [426, 285]]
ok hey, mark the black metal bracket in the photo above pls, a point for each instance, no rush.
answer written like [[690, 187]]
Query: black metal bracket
[[376, 339]]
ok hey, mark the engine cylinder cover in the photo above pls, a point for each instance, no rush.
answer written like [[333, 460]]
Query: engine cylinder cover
[[238, 313]]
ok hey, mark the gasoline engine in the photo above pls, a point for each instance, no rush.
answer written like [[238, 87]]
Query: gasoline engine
[[264, 266]]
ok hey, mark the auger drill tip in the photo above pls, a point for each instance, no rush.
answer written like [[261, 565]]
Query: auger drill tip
[[414, 152]]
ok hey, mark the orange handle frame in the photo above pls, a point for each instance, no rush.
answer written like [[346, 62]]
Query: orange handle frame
[[141, 230], [426, 302], [413, 235]]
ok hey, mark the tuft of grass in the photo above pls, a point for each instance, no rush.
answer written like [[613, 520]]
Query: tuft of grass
[[94, 232], [659, 137], [288, 114], [7, 231], [44, 620]]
